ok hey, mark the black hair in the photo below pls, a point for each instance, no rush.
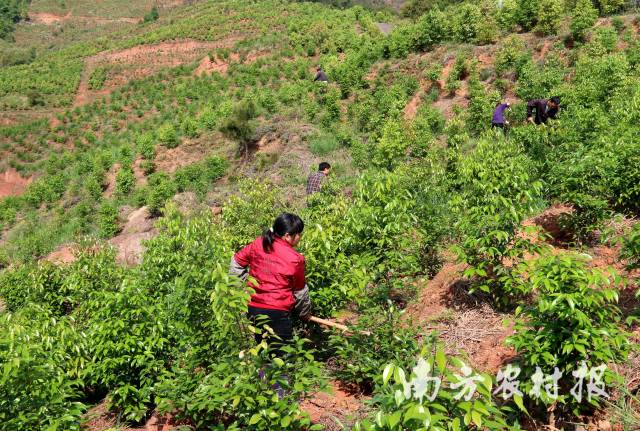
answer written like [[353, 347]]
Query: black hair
[[324, 165], [555, 100], [284, 224]]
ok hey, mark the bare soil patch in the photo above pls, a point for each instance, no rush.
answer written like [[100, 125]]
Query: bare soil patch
[[12, 183], [100, 419], [138, 228], [62, 255], [336, 409], [467, 327], [411, 109]]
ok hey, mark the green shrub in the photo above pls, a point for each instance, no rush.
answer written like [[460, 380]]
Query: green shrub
[[240, 125], [160, 188], [429, 394], [631, 248], [583, 18], [190, 128], [609, 6], [391, 149], [108, 219], [574, 321], [498, 191], [323, 144], [550, 15], [125, 181], [153, 15], [98, 78], [359, 361], [39, 389], [146, 145], [527, 13], [198, 177], [167, 135]]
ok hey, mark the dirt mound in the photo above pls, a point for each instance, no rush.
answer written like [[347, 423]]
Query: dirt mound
[[111, 180], [12, 183], [48, 18], [62, 255], [468, 328], [549, 221], [128, 242], [336, 410], [411, 109], [100, 419], [385, 27]]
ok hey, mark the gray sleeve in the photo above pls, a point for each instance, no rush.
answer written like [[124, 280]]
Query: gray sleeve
[[236, 270], [303, 303]]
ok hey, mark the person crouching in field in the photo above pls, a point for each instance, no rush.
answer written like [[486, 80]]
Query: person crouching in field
[[498, 120], [279, 274]]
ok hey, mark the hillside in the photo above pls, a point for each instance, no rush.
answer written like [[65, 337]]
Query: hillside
[[143, 143]]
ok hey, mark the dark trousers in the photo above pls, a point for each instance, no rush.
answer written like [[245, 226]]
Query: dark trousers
[[278, 320], [499, 126]]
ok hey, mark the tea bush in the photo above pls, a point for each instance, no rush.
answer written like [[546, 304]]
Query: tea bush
[[427, 398], [574, 320], [498, 191], [359, 361]]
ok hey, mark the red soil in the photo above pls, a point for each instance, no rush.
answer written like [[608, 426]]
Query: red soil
[[411, 109], [341, 407], [128, 242], [12, 183]]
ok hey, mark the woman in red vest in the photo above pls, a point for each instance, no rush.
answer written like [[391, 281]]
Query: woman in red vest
[[278, 271]]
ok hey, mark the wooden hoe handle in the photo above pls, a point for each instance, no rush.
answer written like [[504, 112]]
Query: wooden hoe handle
[[331, 324]]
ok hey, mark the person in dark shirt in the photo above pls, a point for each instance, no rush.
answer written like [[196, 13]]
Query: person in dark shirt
[[544, 109], [320, 76], [498, 120], [314, 182]]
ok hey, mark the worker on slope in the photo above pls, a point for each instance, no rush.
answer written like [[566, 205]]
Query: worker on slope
[[498, 121], [544, 109], [314, 181], [279, 274], [321, 76]]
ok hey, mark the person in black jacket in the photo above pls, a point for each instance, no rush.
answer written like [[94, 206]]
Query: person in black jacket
[[544, 109], [320, 76]]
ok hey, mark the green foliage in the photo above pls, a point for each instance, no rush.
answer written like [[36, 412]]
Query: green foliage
[[11, 12], [39, 389], [146, 146], [153, 15], [359, 361], [198, 177], [240, 126], [509, 53], [527, 13], [98, 78], [107, 219], [167, 135], [631, 248], [574, 320], [391, 149], [550, 14], [498, 191], [583, 18], [249, 391], [406, 401], [125, 181], [609, 6], [323, 144]]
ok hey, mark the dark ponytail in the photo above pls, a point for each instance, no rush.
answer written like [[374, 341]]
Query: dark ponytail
[[285, 224]]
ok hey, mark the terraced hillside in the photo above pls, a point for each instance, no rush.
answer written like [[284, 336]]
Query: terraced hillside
[[138, 154]]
